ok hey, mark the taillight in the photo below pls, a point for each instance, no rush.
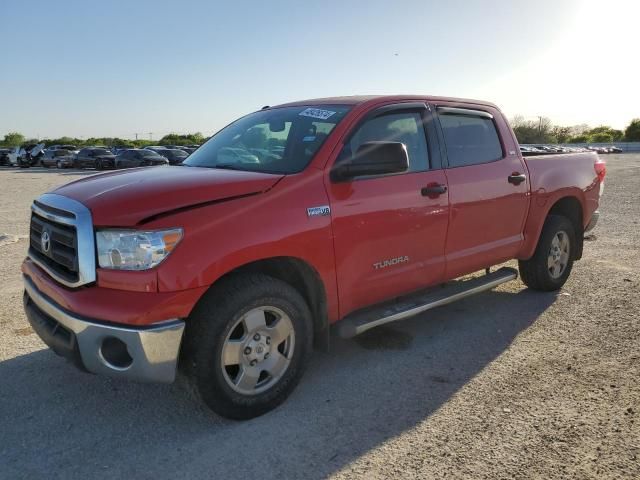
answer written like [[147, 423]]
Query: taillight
[[601, 169]]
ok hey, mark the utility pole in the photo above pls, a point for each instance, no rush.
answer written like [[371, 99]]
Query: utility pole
[[540, 139], [136, 136]]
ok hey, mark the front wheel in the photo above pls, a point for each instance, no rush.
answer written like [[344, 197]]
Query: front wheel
[[551, 264], [249, 341]]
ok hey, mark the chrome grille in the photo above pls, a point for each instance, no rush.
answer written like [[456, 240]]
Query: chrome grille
[[62, 241], [60, 250]]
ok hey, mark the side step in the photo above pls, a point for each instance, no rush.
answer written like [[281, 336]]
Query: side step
[[405, 307]]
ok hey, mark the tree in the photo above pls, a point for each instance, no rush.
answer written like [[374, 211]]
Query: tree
[[604, 131], [13, 139], [602, 137], [176, 139], [533, 131], [562, 134], [632, 132], [580, 139]]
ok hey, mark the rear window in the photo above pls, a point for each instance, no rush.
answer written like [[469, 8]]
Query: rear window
[[470, 140]]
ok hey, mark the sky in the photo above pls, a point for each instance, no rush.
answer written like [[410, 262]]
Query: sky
[[115, 68]]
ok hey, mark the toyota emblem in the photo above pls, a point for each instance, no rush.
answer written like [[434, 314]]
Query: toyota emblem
[[45, 241]]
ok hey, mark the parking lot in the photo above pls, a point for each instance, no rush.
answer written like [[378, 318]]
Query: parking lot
[[507, 384]]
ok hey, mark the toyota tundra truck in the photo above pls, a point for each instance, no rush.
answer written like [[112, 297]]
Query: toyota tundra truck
[[338, 214]]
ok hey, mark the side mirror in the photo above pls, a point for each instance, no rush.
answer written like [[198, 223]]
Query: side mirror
[[373, 158]]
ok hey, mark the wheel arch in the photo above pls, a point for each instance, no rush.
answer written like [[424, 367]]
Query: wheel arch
[[569, 206], [302, 277]]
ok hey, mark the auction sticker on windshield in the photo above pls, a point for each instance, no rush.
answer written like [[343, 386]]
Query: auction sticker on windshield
[[316, 113]]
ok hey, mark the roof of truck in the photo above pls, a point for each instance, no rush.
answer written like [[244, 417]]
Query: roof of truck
[[358, 99]]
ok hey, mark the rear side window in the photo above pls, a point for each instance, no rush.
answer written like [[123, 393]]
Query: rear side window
[[406, 128], [470, 140]]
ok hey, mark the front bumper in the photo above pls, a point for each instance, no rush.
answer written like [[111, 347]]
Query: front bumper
[[593, 222], [147, 354]]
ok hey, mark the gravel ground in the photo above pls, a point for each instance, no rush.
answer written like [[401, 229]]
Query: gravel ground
[[507, 384]]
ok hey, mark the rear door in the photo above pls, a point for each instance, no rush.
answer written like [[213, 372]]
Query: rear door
[[488, 188], [389, 232]]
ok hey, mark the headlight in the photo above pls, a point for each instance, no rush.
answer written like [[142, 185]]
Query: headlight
[[135, 249]]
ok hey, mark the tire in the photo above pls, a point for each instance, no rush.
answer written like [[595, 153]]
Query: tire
[[538, 272], [220, 321], [98, 165], [59, 165]]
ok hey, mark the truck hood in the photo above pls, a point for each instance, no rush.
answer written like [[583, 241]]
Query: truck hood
[[128, 198]]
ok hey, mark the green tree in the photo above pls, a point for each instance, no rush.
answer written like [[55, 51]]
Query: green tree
[[602, 137], [562, 134], [618, 135], [13, 139], [533, 131], [580, 139], [632, 132], [604, 131], [176, 139]]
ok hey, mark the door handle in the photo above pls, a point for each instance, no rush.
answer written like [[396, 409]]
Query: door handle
[[433, 191], [516, 178]]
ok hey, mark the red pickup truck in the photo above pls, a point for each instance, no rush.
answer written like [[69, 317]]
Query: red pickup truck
[[289, 220]]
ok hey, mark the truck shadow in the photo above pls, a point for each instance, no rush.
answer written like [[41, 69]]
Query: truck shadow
[[59, 422]]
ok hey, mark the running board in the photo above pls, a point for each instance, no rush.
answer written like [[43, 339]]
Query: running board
[[408, 306]]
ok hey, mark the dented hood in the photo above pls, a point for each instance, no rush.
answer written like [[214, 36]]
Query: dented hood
[[128, 198]]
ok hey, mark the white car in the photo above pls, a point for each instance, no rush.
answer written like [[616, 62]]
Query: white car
[[14, 154]]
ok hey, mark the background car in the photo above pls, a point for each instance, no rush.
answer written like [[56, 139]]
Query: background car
[[4, 156], [189, 150], [29, 155], [95, 157], [121, 148], [59, 158], [174, 155], [134, 157]]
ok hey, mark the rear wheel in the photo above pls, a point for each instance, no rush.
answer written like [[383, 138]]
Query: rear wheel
[[551, 264], [249, 341]]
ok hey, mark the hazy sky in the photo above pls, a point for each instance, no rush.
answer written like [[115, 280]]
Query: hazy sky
[[113, 68]]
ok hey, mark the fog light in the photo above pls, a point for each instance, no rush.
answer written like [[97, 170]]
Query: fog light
[[115, 354]]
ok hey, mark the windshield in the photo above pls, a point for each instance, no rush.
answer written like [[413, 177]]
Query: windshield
[[281, 140]]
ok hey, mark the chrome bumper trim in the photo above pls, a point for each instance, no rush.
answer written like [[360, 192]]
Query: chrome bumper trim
[[153, 350]]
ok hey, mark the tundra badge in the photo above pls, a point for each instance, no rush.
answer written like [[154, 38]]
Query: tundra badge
[[321, 211], [390, 262]]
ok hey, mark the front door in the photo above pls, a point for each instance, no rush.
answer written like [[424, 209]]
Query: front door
[[389, 232]]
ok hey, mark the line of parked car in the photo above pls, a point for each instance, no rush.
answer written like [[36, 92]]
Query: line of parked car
[[542, 149], [98, 157]]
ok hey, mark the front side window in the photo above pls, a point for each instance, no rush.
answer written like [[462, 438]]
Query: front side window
[[279, 140], [470, 140], [406, 128]]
